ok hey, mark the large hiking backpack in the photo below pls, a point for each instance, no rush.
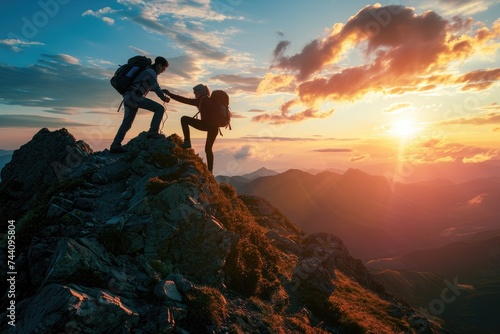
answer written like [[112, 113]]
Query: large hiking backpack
[[126, 74], [222, 99]]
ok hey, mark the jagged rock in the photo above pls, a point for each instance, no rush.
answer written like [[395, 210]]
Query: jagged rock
[[284, 243], [55, 211], [62, 202], [200, 249], [99, 178], [310, 274], [59, 307], [180, 282], [71, 257], [167, 290], [39, 257], [48, 158], [84, 204]]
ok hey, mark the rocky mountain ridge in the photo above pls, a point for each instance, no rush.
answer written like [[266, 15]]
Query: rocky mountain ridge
[[149, 242]]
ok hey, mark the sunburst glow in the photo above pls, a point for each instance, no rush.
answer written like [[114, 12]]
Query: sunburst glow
[[404, 128]]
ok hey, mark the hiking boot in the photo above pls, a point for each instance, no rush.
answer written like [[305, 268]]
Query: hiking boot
[[155, 135], [186, 144], [117, 150]]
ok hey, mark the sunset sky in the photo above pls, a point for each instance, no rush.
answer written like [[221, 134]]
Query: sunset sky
[[313, 84]]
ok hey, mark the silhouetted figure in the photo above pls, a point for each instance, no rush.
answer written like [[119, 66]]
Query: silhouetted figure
[[209, 110], [135, 98]]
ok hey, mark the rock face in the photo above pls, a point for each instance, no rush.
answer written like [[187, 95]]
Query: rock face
[[148, 242], [47, 158]]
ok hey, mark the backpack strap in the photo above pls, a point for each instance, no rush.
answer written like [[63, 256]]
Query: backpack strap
[[199, 106], [120, 106]]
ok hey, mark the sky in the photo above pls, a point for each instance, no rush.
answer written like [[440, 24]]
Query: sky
[[313, 84]]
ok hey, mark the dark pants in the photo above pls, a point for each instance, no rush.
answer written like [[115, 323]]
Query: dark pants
[[212, 132], [132, 105]]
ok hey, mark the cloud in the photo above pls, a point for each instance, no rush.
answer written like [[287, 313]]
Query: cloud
[[287, 116], [57, 82], [276, 138], [275, 83], [440, 150], [244, 152], [63, 58], [17, 45], [35, 121], [484, 119], [397, 108], [462, 7], [101, 14], [360, 157], [188, 30], [238, 83], [403, 52], [480, 79], [333, 150]]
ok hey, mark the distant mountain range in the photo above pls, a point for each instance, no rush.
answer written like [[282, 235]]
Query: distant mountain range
[[378, 218]]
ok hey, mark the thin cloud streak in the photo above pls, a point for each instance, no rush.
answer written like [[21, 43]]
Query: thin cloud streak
[[333, 150], [35, 121]]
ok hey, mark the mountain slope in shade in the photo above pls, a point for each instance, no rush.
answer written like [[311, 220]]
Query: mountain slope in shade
[[459, 282], [5, 157]]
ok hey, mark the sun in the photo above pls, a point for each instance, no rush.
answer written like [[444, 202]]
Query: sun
[[404, 128]]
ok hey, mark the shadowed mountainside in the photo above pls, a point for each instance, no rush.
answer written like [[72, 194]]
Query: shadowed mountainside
[[149, 242], [459, 282]]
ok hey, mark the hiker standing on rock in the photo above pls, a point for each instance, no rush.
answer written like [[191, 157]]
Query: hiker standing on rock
[[208, 107], [135, 98]]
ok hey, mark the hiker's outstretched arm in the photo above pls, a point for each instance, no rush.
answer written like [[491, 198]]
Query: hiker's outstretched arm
[[182, 99]]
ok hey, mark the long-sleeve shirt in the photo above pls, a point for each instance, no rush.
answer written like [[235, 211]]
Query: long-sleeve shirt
[[206, 106], [145, 82]]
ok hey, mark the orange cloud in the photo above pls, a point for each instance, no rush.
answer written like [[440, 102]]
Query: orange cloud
[[439, 150], [274, 83], [286, 116], [479, 80], [485, 119], [404, 52], [397, 107], [476, 200], [360, 157]]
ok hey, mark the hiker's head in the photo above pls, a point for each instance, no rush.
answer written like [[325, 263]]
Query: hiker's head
[[160, 64], [201, 90]]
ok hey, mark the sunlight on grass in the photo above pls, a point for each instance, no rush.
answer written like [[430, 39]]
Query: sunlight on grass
[[364, 307]]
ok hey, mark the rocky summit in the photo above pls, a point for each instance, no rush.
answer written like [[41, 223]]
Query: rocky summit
[[148, 242]]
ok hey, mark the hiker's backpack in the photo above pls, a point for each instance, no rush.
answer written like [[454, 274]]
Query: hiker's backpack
[[222, 99], [126, 74]]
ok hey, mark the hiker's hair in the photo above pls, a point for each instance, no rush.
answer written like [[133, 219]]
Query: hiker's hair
[[160, 60]]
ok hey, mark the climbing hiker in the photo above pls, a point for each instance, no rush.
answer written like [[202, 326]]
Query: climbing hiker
[[135, 98], [209, 107]]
